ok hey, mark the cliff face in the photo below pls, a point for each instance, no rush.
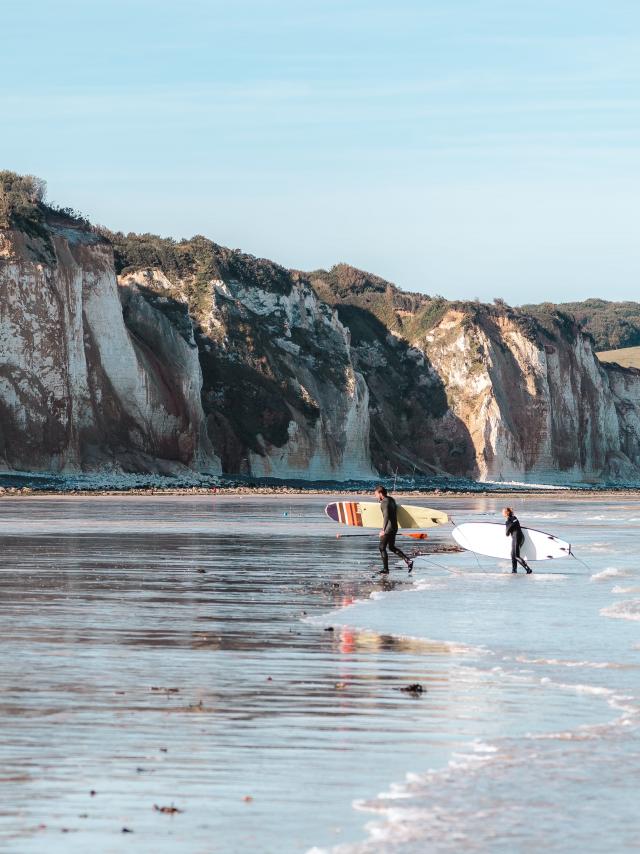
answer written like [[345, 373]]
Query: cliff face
[[280, 392], [137, 354], [78, 389], [413, 428], [486, 391], [536, 401]]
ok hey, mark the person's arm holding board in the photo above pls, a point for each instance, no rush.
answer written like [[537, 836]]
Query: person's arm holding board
[[514, 531], [386, 522]]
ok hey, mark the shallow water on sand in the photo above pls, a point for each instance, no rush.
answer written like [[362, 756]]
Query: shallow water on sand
[[130, 673]]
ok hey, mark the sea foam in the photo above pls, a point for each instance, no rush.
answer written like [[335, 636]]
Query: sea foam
[[609, 572], [627, 610]]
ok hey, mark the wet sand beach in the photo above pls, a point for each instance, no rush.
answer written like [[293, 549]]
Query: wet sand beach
[[154, 654], [221, 674]]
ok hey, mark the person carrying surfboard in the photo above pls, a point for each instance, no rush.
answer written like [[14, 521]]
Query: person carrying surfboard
[[389, 529], [514, 531]]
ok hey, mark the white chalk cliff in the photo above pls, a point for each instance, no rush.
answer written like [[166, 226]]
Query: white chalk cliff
[[537, 403], [173, 357], [79, 389], [280, 391]]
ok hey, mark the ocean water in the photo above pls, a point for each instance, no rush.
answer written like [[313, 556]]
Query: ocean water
[[232, 659]]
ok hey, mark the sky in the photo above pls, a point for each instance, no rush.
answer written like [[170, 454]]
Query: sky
[[469, 148]]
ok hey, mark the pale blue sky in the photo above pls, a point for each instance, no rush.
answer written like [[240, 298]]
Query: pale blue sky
[[464, 147]]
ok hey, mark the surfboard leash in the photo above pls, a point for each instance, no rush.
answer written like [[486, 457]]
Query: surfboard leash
[[439, 565], [480, 567], [575, 557]]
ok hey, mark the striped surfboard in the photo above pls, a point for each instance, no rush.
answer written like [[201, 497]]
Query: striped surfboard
[[367, 514]]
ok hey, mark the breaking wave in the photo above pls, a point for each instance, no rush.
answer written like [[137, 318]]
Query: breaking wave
[[628, 610], [609, 572]]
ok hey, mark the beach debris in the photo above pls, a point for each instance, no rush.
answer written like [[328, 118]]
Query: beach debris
[[415, 689], [196, 707], [171, 810], [166, 690]]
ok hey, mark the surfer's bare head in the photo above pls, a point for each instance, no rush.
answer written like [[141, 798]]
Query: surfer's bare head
[[507, 511], [380, 492]]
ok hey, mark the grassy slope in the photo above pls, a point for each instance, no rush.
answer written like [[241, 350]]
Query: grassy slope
[[628, 357]]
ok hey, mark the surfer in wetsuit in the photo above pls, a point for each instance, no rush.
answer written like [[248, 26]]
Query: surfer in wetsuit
[[389, 529], [514, 531]]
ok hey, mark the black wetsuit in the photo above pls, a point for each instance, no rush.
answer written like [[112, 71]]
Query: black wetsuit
[[390, 527], [517, 539]]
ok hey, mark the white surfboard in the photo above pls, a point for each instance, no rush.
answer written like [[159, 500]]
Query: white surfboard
[[489, 538]]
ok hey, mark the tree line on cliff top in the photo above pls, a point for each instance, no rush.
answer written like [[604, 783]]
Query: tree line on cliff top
[[612, 325]]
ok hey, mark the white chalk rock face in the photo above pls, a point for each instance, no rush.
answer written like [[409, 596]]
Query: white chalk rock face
[[537, 403], [78, 389], [334, 443], [204, 359], [280, 392]]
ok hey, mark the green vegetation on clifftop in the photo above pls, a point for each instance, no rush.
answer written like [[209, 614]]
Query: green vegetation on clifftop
[[408, 314], [21, 199], [197, 258]]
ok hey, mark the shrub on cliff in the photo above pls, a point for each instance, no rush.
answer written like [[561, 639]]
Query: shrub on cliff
[[21, 198], [409, 314], [23, 206]]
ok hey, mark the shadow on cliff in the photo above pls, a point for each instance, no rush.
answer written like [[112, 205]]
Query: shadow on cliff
[[412, 426], [248, 391], [242, 398]]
